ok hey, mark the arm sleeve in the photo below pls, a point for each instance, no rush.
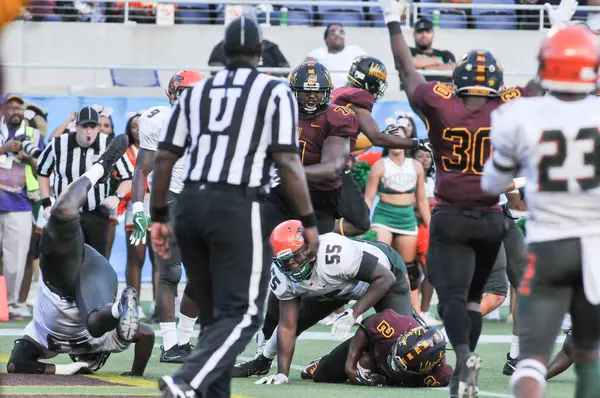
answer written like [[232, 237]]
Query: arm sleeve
[[281, 118], [175, 136], [46, 160]]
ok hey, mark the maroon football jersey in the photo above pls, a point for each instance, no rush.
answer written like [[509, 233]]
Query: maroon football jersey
[[461, 143], [383, 330], [345, 96], [313, 131]]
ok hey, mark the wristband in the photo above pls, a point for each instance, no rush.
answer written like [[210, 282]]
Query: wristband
[[415, 143], [307, 221], [137, 207], [46, 202], [394, 28], [160, 214]]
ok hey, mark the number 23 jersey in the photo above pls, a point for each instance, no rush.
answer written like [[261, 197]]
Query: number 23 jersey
[[557, 145], [336, 273], [461, 142]]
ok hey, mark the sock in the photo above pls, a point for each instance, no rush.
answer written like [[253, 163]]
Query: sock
[[185, 329], [588, 379], [514, 347], [475, 330], [269, 325], [115, 310], [169, 334], [94, 174], [270, 350]]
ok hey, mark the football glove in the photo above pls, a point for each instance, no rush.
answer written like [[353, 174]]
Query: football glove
[[279, 378], [342, 325], [561, 15], [365, 377], [425, 145], [392, 10], [140, 224]]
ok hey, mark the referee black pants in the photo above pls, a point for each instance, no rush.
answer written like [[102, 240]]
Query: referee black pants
[[227, 255]]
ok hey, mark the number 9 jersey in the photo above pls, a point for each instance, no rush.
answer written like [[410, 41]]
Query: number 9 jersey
[[461, 142], [557, 146]]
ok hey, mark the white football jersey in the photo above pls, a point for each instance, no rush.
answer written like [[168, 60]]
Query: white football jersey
[[554, 142], [57, 326], [333, 274], [151, 124]]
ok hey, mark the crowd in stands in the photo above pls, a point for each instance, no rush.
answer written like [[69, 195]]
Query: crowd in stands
[[298, 14]]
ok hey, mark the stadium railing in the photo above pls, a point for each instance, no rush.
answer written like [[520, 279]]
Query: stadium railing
[[494, 14]]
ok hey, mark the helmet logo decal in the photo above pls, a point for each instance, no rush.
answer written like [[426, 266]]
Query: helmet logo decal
[[293, 78], [375, 70]]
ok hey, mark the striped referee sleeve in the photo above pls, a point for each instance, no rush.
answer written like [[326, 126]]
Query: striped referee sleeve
[[283, 111], [47, 160], [175, 137], [124, 168]]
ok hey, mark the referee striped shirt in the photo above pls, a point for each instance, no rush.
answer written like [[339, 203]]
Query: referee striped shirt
[[230, 124], [69, 161]]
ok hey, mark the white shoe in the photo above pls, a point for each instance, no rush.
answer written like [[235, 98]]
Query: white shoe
[[429, 319]]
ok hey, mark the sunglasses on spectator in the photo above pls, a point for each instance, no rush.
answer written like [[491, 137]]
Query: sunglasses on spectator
[[14, 108]]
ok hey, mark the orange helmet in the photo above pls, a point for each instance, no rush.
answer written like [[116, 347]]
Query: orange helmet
[[180, 81], [287, 241], [569, 60]]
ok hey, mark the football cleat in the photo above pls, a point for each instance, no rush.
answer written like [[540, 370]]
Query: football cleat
[[259, 366], [309, 370], [173, 355], [510, 365], [172, 387], [187, 348], [129, 319], [468, 377], [114, 151]]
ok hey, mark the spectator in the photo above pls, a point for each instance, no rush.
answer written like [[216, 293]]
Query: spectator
[[272, 57], [335, 54], [69, 156], [425, 56], [40, 10], [17, 184]]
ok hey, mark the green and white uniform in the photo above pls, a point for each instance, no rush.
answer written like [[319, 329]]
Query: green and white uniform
[[396, 180]]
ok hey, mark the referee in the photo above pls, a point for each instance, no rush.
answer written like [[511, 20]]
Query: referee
[[69, 156], [233, 126]]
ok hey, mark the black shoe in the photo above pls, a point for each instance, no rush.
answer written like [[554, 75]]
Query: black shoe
[[309, 370], [114, 151], [187, 348], [172, 355], [468, 377], [129, 319], [510, 365], [173, 387], [259, 366]]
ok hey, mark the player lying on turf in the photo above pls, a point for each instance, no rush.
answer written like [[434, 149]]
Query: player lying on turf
[[75, 312], [308, 289], [387, 350]]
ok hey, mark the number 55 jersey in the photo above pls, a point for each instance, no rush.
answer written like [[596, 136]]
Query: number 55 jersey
[[557, 146], [460, 137]]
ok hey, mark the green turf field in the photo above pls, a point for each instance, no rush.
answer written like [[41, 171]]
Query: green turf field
[[315, 344]]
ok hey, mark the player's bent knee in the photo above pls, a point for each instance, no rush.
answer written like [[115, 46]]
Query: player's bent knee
[[169, 274], [414, 275], [23, 358]]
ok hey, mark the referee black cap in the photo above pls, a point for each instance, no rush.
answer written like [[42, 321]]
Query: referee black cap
[[87, 114], [243, 36]]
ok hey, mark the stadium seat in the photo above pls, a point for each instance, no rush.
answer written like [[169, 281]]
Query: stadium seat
[[450, 18], [350, 18], [193, 14], [494, 19]]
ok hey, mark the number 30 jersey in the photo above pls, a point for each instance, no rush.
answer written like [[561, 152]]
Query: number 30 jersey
[[461, 143], [557, 146], [341, 264], [151, 124]]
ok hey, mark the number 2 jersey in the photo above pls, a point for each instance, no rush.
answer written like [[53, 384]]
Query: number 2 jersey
[[151, 124], [461, 143], [556, 144], [383, 330], [339, 272]]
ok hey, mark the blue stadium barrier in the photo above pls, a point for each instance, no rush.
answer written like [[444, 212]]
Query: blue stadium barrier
[[59, 107]]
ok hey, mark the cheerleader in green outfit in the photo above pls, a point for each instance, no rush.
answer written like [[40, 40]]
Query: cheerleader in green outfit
[[400, 183]]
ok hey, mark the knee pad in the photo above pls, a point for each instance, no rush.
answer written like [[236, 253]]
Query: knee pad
[[531, 368], [24, 358], [169, 273], [189, 291], [414, 274]]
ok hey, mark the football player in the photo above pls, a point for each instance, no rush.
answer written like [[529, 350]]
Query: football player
[[467, 225], [75, 312], [554, 139], [308, 289], [176, 339], [388, 349]]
